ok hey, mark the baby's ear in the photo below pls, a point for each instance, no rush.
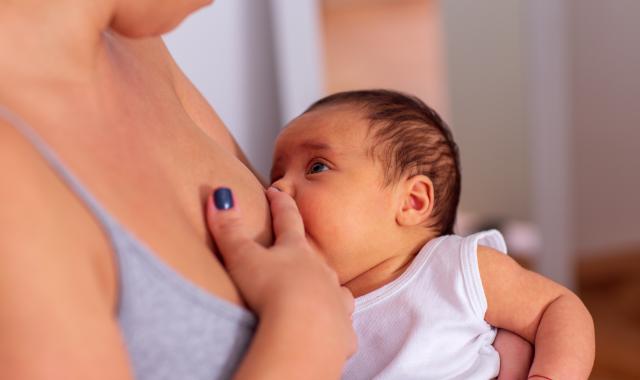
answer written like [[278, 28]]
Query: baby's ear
[[417, 201]]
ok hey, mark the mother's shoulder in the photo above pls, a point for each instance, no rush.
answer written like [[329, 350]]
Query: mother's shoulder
[[41, 218], [58, 287], [28, 181], [19, 160]]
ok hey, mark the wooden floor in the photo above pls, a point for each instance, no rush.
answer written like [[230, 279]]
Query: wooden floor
[[610, 287]]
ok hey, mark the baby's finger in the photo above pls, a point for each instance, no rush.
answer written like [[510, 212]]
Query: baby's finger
[[287, 222], [225, 224]]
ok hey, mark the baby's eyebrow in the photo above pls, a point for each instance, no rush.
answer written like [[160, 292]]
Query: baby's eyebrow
[[314, 145]]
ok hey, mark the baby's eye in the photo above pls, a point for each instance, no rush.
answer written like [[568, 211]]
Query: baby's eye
[[317, 167]]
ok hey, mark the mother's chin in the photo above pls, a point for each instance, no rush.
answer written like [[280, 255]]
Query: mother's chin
[[148, 18]]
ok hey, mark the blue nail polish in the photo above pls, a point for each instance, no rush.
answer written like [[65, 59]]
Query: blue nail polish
[[222, 198]]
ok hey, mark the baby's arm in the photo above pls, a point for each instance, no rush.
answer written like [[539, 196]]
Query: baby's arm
[[541, 311]]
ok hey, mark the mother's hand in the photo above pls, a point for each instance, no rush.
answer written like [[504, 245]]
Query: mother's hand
[[304, 312]]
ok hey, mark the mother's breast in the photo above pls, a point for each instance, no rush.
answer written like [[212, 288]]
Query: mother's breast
[[212, 166], [248, 195], [170, 213]]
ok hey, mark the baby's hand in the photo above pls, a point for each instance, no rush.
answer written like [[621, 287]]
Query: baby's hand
[[516, 355]]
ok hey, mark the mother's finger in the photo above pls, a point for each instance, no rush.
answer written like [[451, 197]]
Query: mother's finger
[[225, 224], [287, 222]]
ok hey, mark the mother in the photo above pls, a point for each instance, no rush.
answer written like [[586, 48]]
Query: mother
[[107, 154]]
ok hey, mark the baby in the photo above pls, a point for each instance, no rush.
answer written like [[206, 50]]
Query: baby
[[376, 177]]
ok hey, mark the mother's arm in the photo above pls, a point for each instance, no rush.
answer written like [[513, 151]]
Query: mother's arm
[[57, 295]]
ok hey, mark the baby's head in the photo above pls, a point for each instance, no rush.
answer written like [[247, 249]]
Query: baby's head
[[374, 173]]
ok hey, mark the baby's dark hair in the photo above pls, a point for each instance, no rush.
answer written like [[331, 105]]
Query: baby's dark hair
[[409, 138]]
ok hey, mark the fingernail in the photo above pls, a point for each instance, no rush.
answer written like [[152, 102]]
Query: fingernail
[[222, 198], [274, 188]]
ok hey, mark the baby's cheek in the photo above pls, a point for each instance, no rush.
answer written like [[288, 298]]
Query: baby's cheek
[[311, 225], [337, 247], [321, 231], [330, 230], [315, 217]]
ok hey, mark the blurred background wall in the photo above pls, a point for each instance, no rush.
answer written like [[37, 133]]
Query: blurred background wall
[[485, 59], [606, 124], [541, 96]]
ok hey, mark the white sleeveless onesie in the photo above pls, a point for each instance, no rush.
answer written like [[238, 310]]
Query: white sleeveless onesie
[[429, 323]]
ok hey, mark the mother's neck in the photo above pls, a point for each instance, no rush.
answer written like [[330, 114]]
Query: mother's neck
[[50, 41]]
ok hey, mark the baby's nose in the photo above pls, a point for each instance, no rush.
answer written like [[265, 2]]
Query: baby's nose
[[283, 185]]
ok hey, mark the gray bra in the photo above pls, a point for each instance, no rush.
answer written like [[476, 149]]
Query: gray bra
[[172, 328]]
